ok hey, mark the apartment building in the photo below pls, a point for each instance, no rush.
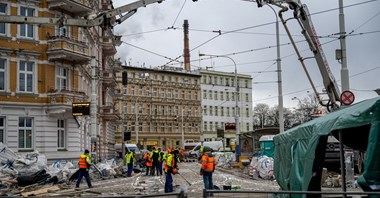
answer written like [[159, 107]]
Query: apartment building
[[45, 68], [219, 103], [162, 106]]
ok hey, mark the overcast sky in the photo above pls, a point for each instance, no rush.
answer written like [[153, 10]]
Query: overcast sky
[[154, 35]]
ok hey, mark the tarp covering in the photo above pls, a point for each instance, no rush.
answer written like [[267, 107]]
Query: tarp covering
[[298, 151]]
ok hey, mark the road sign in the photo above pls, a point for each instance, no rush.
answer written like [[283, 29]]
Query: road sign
[[347, 97]]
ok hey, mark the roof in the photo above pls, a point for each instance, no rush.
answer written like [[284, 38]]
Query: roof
[[296, 154]]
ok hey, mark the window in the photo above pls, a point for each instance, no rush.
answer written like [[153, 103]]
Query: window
[[247, 112], [147, 91], [215, 95], [140, 90], [204, 79], [2, 130], [170, 93], [61, 143], [133, 128], [170, 79], [63, 31], [133, 90], [162, 93], [155, 77], [170, 127], [205, 126], [170, 110], [233, 96], [204, 110], [25, 132], [216, 111], [26, 30], [228, 112], [140, 126], [148, 127], [215, 80], [148, 109], [228, 96], [176, 110], [247, 125], [133, 108], [246, 83], [189, 95], [62, 78], [196, 110], [155, 127], [189, 111], [220, 80], [155, 108], [221, 111], [247, 97], [133, 75], [232, 82], [227, 82], [162, 127], [140, 108], [3, 11], [183, 94], [162, 78], [26, 70], [210, 79], [211, 126], [221, 95], [196, 95], [176, 94], [162, 110], [176, 128], [211, 109], [210, 94], [155, 90], [2, 74]]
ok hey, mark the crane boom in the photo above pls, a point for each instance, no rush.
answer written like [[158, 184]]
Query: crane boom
[[103, 19], [301, 14]]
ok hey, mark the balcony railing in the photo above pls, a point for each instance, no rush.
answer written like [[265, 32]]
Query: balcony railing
[[108, 46], [68, 50], [66, 96], [108, 78], [77, 7]]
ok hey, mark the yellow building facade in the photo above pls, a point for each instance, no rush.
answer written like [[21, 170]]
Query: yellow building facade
[[44, 69]]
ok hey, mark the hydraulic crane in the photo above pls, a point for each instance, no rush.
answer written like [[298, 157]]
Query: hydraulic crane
[[301, 14]]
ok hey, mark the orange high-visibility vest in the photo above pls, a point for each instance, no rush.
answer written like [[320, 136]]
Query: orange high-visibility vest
[[82, 163], [148, 161], [208, 162]]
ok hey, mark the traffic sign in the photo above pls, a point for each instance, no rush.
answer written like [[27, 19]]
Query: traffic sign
[[347, 97]]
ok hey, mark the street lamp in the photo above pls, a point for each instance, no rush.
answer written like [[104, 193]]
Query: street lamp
[[237, 148]]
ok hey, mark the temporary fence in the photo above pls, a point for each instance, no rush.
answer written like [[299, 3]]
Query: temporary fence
[[271, 194]]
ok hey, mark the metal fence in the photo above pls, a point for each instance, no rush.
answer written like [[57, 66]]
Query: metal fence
[[271, 194]]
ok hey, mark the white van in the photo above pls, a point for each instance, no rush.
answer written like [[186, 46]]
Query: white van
[[214, 145], [131, 147]]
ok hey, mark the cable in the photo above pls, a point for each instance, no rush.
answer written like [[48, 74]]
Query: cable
[[347, 6], [364, 23], [183, 5]]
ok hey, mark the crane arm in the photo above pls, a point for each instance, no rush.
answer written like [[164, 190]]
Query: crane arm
[[302, 15], [103, 19]]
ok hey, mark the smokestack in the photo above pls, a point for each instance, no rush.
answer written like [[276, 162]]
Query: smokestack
[[186, 51]]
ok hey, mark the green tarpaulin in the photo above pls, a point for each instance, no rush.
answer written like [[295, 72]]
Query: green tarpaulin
[[299, 152]]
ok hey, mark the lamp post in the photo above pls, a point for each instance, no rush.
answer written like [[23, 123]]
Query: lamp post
[[237, 148]]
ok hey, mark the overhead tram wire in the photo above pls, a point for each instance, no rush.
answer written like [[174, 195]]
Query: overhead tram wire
[[299, 91], [183, 5]]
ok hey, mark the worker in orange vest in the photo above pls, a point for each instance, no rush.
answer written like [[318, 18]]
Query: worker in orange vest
[[207, 167], [84, 164], [148, 163]]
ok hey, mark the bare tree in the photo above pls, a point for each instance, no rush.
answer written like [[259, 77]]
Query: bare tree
[[260, 113]]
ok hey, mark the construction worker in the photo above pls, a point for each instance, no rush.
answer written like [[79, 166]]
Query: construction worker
[[162, 159], [155, 156], [169, 168], [130, 160], [84, 165], [207, 167], [148, 163]]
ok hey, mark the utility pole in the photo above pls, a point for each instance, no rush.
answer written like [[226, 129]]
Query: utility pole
[[344, 70]]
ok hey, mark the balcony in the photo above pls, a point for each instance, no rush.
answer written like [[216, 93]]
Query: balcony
[[77, 7], [108, 78], [108, 46], [64, 49], [60, 101], [107, 112]]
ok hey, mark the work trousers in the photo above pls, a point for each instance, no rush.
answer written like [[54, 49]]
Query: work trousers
[[130, 169], [207, 180], [83, 172], [168, 182]]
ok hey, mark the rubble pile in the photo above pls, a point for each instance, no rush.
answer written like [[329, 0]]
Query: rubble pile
[[20, 174]]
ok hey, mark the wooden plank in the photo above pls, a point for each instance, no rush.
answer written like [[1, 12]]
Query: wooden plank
[[40, 191]]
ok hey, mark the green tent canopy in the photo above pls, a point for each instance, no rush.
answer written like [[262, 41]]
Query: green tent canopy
[[299, 152]]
